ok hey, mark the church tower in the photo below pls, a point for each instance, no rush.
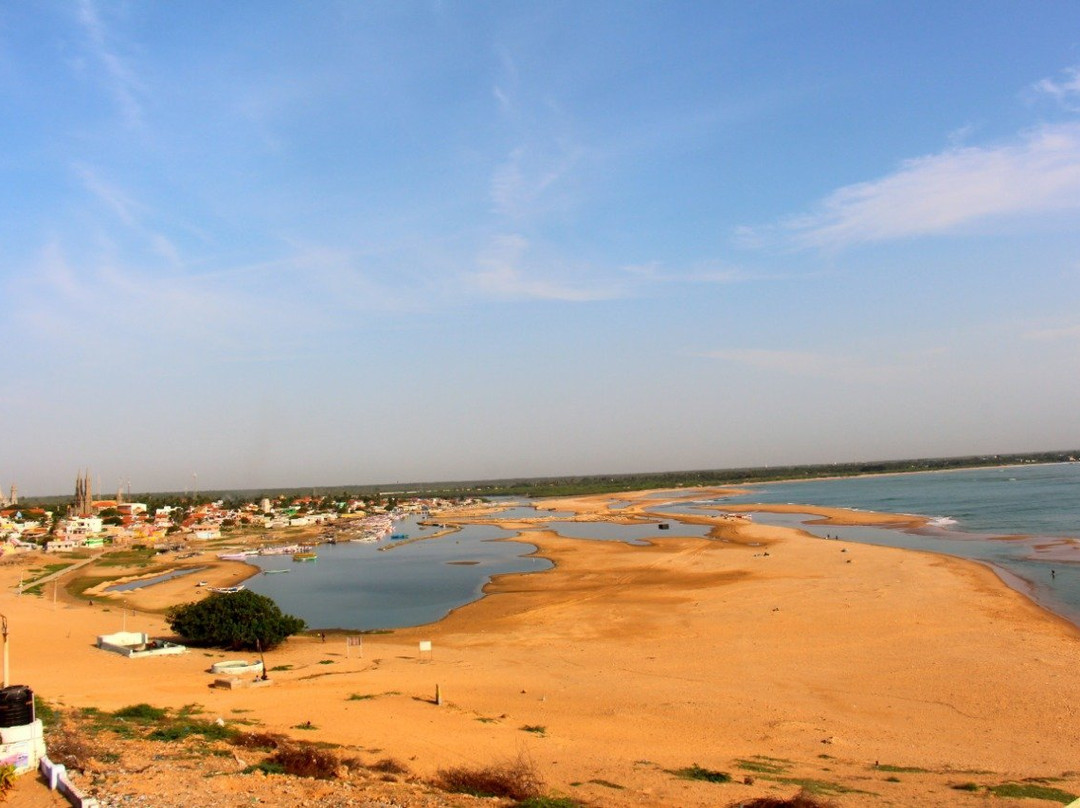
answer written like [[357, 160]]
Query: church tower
[[84, 498]]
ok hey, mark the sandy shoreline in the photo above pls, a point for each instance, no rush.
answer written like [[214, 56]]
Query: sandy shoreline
[[826, 656]]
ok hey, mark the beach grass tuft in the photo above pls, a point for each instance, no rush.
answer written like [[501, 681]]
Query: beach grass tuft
[[306, 761], [820, 787], [1032, 791], [764, 765], [515, 779], [389, 765], [140, 713], [259, 740], [966, 787], [800, 800], [696, 772], [608, 784], [884, 767]]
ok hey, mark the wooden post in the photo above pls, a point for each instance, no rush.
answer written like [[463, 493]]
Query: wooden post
[[4, 629], [438, 696]]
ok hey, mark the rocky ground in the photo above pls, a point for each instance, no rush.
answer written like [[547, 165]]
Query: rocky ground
[[177, 761]]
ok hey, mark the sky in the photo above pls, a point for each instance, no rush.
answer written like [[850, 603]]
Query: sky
[[287, 244]]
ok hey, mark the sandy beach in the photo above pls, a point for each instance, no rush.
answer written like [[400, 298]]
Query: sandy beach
[[879, 676]]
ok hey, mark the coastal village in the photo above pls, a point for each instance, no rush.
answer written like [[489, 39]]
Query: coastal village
[[91, 523]]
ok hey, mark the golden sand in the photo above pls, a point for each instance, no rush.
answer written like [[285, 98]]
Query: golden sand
[[884, 676]]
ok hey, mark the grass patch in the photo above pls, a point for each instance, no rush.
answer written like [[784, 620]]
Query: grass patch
[[305, 725], [361, 697], [179, 730], [326, 662], [515, 779], [127, 558], [141, 713], [266, 767], [696, 772], [966, 787], [816, 787], [45, 711], [608, 784], [549, 802], [535, 729], [278, 668], [763, 765], [1032, 791], [884, 767], [80, 584]]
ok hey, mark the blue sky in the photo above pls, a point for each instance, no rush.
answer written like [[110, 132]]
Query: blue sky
[[279, 243]]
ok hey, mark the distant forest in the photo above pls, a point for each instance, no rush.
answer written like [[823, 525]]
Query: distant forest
[[607, 483]]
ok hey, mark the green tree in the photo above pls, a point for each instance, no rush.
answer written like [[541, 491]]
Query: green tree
[[237, 621]]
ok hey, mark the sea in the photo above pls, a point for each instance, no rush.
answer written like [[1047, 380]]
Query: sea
[[1022, 521]]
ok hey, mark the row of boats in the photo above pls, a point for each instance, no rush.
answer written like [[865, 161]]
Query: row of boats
[[367, 530], [299, 552]]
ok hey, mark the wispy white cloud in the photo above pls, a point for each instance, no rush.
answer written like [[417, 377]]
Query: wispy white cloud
[[113, 197], [129, 211], [944, 193], [522, 184], [119, 77], [1065, 91], [101, 291], [505, 88], [503, 275]]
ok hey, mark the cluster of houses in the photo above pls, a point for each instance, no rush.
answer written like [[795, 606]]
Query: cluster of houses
[[93, 523]]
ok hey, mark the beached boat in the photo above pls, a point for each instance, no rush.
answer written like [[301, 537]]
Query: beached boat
[[244, 555], [227, 590], [304, 557]]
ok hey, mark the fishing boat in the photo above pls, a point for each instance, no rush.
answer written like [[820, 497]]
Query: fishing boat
[[240, 556], [273, 572], [227, 590], [399, 536], [304, 556]]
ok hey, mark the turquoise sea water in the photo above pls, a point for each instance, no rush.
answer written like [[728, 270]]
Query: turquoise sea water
[[1024, 521], [1034, 500]]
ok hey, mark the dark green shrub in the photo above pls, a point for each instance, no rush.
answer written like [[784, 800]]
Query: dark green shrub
[[696, 772], [238, 621]]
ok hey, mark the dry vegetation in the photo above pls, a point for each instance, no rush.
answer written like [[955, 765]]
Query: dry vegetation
[[171, 757], [515, 779]]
